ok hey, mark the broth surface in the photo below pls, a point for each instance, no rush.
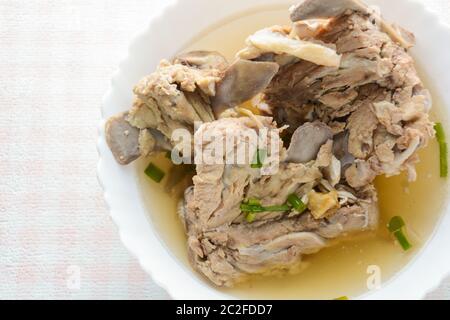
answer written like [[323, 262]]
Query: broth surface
[[341, 270]]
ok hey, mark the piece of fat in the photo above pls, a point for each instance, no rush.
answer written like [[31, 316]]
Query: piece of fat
[[321, 204], [305, 29], [266, 40]]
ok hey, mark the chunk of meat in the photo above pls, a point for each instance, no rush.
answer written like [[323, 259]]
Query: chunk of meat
[[224, 246], [170, 90], [147, 142], [242, 81], [152, 141], [308, 29], [373, 99], [202, 60], [360, 174], [274, 189], [361, 125], [127, 142], [400, 158], [175, 96], [307, 140], [384, 143], [348, 220], [332, 172], [340, 149], [325, 154], [309, 9], [122, 139], [338, 99], [141, 116]]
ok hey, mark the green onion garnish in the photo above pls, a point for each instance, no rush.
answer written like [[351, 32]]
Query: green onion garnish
[[249, 208], [169, 155], [253, 206], [395, 226], [154, 173], [283, 207], [443, 149], [250, 217], [258, 208], [396, 223], [296, 202], [443, 162], [254, 202], [440, 133], [258, 159], [342, 298], [401, 238]]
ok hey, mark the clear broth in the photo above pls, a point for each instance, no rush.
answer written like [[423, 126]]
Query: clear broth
[[341, 270]]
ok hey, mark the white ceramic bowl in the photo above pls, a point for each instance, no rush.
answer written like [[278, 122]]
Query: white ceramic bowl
[[166, 34]]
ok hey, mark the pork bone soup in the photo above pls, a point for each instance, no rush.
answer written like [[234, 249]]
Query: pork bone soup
[[350, 204]]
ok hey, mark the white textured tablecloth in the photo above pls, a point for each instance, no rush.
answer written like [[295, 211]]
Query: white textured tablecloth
[[56, 238]]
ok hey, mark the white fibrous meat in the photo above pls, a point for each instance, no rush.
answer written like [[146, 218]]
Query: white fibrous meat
[[270, 40], [226, 248], [173, 97], [375, 96]]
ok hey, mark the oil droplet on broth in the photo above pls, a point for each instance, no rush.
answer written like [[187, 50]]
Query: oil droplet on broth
[[341, 270]]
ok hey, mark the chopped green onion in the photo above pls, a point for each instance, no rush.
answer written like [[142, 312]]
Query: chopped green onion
[[396, 223], [252, 206], [283, 207], [250, 217], [258, 208], [249, 208], [296, 202], [443, 149], [443, 162], [169, 155], [395, 226], [254, 202], [154, 173], [401, 238], [342, 298], [440, 133], [258, 159]]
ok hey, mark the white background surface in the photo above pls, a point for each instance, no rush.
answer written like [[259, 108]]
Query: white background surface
[[56, 238]]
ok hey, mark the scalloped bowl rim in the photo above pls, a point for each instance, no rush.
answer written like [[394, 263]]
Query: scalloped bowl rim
[[428, 268]]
